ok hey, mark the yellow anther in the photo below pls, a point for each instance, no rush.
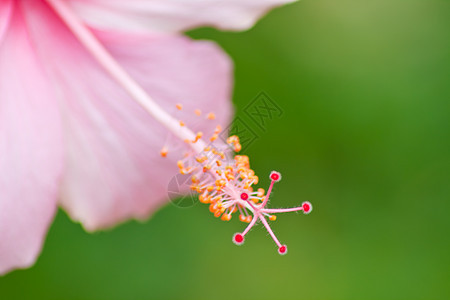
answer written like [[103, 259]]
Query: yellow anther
[[195, 179], [217, 213], [220, 183], [198, 112], [180, 164], [197, 137], [182, 123], [237, 147], [211, 116], [218, 129], [205, 199], [272, 218], [216, 199], [218, 163], [179, 106], [164, 151], [260, 192], [242, 218], [248, 219], [242, 161], [219, 172], [230, 177], [187, 141], [206, 168], [232, 139], [214, 137], [226, 217], [200, 159], [210, 188], [207, 149]]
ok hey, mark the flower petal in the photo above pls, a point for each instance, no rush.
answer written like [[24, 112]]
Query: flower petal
[[5, 15], [114, 168], [30, 150], [172, 15]]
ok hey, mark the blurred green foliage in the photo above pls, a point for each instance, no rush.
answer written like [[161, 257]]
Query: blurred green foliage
[[365, 136]]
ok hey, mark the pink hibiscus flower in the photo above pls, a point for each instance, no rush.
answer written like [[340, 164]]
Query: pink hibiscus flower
[[87, 93]]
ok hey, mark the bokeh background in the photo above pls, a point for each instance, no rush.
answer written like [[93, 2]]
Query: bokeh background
[[365, 136]]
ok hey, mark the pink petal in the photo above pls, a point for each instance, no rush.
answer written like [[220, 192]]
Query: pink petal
[[30, 150], [5, 15], [114, 169], [172, 15]]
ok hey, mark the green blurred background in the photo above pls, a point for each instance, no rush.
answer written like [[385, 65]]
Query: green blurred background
[[365, 136]]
